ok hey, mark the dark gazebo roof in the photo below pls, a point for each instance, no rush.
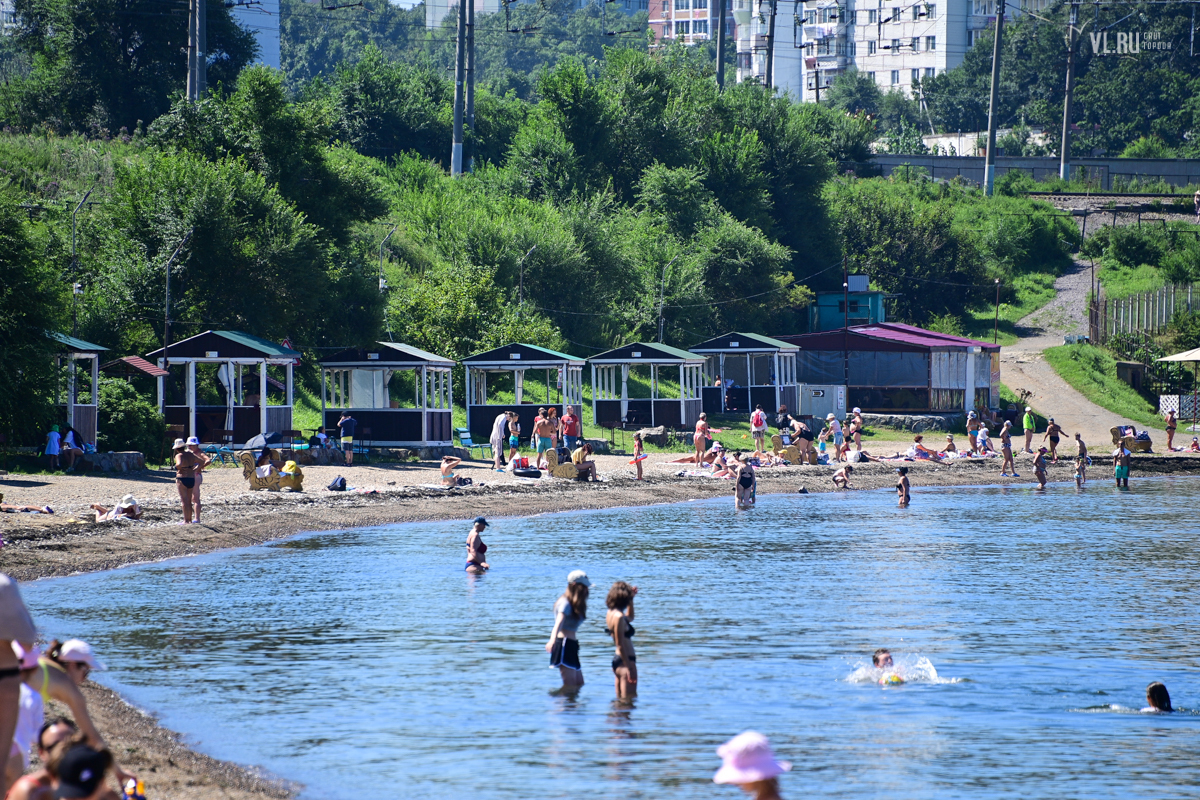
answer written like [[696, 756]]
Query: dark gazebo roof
[[390, 353], [639, 352], [521, 355], [743, 343], [228, 345]]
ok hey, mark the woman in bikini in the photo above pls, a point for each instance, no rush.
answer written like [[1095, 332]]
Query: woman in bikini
[[617, 625], [476, 549], [700, 437], [1053, 430], [570, 610], [556, 426], [185, 476], [1172, 423], [447, 470], [903, 487], [1006, 451]]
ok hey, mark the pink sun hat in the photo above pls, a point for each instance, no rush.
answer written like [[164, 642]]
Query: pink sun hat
[[748, 758]]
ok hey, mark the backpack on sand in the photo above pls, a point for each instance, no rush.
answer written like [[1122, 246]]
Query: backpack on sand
[[338, 484]]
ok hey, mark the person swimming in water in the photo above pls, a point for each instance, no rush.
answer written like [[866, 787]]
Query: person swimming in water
[[881, 659], [1159, 699]]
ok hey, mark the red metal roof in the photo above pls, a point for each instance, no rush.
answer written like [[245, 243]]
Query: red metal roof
[[138, 363], [910, 334]]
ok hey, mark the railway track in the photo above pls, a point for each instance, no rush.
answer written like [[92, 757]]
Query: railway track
[[1103, 201]]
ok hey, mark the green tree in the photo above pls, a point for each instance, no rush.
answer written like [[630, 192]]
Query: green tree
[[128, 420], [101, 65], [1147, 147], [854, 92], [31, 303]]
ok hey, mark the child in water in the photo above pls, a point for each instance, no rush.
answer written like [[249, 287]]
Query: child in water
[[882, 660]]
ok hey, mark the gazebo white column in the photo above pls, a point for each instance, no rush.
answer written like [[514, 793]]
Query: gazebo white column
[[262, 396], [625, 393], [191, 397]]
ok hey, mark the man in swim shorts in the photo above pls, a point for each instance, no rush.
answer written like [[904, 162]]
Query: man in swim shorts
[[543, 430], [1122, 461]]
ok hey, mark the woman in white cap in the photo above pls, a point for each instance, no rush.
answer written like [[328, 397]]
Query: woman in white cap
[[128, 508], [185, 475], [748, 762], [193, 447], [839, 439], [973, 432], [570, 610], [856, 428], [57, 675]]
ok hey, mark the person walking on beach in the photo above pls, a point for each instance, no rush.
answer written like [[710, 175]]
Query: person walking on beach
[[1029, 425], [1053, 429], [856, 428], [758, 428], [903, 487], [543, 431], [570, 428], [745, 483], [749, 763], [202, 461], [496, 439], [476, 549], [514, 439], [1039, 467], [973, 432], [1172, 423], [1122, 461], [839, 438], [1006, 451], [1081, 458], [570, 610], [617, 625], [347, 424], [186, 464]]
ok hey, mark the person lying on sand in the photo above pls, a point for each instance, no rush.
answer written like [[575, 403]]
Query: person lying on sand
[[6, 507], [710, 455], [128, 508]]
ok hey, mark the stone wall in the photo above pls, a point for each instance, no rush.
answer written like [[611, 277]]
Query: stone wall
[[916, 423], [128, 461]]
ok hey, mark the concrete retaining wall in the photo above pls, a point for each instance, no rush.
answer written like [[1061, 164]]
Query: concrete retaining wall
[[1176, 171]]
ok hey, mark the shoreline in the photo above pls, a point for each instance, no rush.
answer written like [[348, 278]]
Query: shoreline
[[39, 546]]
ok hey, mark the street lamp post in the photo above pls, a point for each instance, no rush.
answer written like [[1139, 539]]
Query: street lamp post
[[996, 326]]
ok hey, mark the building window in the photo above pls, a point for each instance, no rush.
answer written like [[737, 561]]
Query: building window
[[851, 48], [681, 27], [826, 15], [870, 48], [930, 11], [895, 46], [895, 14], [682, 5], [915, 44], [872, 16], [667, 31], [699, 4], [895, 77], [929, 72], [985, 8], [931, 43], [871, 76], [972, 37], [827, 46], [915, 78], [700, 26], [916, 12], [810, 17]]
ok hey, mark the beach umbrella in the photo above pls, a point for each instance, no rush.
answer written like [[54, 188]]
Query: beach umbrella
[[264, 440], [1194, 357]]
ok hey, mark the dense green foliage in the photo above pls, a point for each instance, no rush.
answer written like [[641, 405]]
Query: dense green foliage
[[128, 420], [1092, 371], [1118, 99], [1138, 259], [942, 247], [104, 65]]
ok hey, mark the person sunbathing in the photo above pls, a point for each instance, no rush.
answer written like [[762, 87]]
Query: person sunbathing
[[8, 508], [128, 508], [920, 451], [721, 467]]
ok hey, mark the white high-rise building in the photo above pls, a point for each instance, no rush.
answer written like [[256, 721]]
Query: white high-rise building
[[7, 15], [436, 10], [896, 42]]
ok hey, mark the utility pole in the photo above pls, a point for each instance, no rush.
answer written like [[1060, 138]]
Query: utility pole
[[662, 291], [771, 48], [167, 317], [521, 284], [846, 322], [197, 49], [721, 44], [460, 67], [471, 80], [1064, 156], [989, 164], [996, 325], [76, 289]]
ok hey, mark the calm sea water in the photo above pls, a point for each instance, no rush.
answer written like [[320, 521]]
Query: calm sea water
[[365, 663]]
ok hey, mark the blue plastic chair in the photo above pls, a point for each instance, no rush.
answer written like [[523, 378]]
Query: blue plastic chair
[[464, 439]]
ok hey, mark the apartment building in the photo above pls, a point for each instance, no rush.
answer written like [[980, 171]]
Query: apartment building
[[7, 14], [686, 21], [896, 42]]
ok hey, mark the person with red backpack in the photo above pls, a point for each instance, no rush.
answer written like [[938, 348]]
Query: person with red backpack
[[758, 428]]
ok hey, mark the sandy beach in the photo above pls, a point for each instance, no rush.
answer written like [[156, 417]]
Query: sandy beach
[[69, 542]]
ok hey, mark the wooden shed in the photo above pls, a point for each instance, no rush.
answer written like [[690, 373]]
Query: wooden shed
[[83, 417], [611, 403]]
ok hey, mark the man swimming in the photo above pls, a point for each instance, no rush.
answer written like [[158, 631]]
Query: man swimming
[[881, 659]]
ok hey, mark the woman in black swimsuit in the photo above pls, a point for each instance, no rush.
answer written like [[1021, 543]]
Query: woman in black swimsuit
[[476, 549], [743, 491], [1052, 432], [616, 624], [902, 487]]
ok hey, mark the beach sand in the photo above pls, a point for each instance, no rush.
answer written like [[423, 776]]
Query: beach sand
[[66, 543]]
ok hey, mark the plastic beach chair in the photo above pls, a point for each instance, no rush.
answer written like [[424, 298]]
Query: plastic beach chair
[[464, 439]]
